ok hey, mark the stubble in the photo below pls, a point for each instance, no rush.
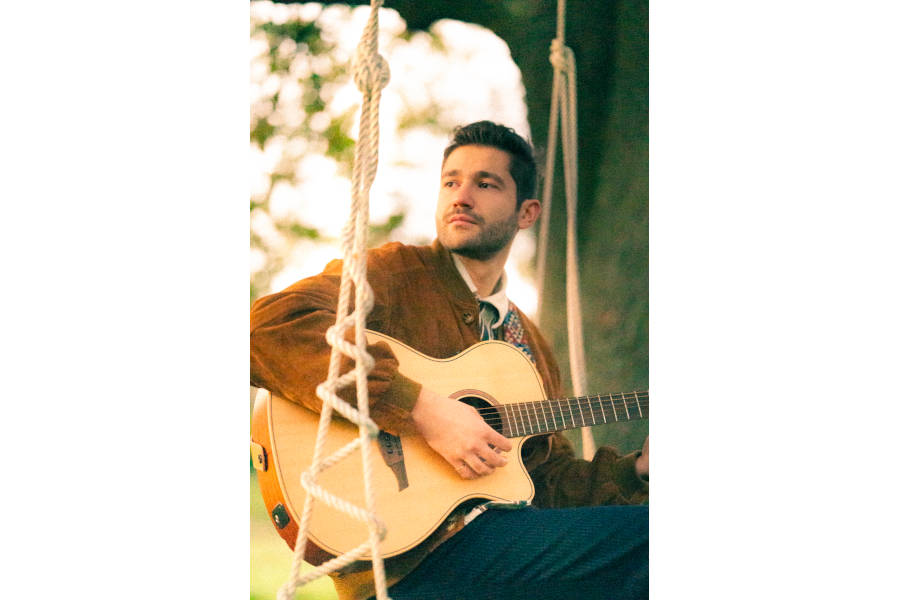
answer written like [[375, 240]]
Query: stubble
[[492, 239]]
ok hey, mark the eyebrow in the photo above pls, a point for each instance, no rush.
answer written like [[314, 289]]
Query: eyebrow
[[478, 175]]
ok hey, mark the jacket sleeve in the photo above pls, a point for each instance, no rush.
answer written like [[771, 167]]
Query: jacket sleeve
[[562, 480], [289, 355]]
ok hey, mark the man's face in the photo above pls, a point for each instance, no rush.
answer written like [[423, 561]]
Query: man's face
[[476, 211]]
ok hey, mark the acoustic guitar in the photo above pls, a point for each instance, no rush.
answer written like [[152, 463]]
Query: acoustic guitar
[[416, 489]]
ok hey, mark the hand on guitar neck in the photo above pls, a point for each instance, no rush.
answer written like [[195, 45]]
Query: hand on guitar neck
[[457, 432]]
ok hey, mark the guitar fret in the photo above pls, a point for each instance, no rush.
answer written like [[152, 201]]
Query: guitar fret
[[527, 414], [509, 422], [612, 402], [581, 412], [571, 414], [638, 402], [627, 416], [591, 408], [603, 412], [545, 417], [537, 418]]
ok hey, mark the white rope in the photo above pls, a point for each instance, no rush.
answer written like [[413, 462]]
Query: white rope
[[371, 74], [563, 109]]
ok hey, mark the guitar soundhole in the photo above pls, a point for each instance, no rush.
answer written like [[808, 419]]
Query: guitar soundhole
[[488, 412]]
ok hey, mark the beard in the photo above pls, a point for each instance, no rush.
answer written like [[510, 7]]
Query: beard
[[492, 239]]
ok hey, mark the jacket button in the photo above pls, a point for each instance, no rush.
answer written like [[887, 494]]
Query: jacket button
[[468, 318]]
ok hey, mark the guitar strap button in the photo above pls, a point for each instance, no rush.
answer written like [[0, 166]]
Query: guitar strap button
[[280, 516]]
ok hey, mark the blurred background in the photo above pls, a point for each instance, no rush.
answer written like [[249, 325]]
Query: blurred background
[[452, 63]]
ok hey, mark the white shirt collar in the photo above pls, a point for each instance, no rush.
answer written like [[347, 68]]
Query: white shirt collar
[[498, 299]]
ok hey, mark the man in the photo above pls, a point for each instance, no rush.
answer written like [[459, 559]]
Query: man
[[441, 299]]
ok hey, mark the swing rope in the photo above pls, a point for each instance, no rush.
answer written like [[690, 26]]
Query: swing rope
[[371, 74], [563, 109]]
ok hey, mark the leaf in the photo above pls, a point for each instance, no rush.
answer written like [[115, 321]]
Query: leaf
[[261, 132], [303, 231], [301, 32]]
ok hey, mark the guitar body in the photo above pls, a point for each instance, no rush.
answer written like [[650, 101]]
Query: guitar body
[[487, 374]]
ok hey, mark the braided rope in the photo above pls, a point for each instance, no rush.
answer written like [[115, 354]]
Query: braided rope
[[371, 74], [563, 109]]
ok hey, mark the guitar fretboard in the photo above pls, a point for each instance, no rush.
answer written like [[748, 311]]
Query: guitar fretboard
[[529, 418]]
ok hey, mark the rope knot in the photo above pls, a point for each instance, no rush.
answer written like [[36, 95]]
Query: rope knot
[[561, 56], [371, 72]]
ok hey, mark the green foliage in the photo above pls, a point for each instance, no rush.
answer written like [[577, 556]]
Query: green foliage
[[261, 131], [429, 116], [275, 117], [301, 231], [299, 31], [299, 66], [340, 144], [380, 232]]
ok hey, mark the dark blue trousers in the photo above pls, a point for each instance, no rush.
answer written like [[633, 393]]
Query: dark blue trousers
[[566, 553]]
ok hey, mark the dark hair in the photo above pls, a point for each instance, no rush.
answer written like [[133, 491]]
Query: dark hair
[[521, 155]]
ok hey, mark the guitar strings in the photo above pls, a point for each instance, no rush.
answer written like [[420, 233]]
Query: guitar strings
[[627, 399], [581, 402], [634, 405], [538, 408], [567, 417], [568, 407]]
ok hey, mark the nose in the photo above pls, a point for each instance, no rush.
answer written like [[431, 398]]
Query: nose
[[463, 196]]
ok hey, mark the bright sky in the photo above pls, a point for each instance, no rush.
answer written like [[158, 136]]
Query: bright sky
[[475, 79]]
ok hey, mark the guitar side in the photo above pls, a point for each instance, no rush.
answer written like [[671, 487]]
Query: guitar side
[[493, 372]]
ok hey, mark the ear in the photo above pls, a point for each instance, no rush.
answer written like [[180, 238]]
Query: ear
[[529, 213]]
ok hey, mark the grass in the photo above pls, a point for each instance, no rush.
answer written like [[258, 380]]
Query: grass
[[270, 557]]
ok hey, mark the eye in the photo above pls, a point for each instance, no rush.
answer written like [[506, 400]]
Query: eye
[[449, 183], [486, 184]]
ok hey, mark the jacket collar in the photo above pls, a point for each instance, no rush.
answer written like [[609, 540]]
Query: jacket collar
[[498, 299], [450, 276]]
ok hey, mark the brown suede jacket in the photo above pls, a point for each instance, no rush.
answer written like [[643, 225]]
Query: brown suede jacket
[[422, 301]]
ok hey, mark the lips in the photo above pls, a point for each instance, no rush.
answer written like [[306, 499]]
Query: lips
[[462, 218]]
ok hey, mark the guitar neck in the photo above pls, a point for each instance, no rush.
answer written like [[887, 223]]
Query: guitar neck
[[529, 418]]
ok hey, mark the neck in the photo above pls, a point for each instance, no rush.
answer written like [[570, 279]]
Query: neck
[[485, 274]]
